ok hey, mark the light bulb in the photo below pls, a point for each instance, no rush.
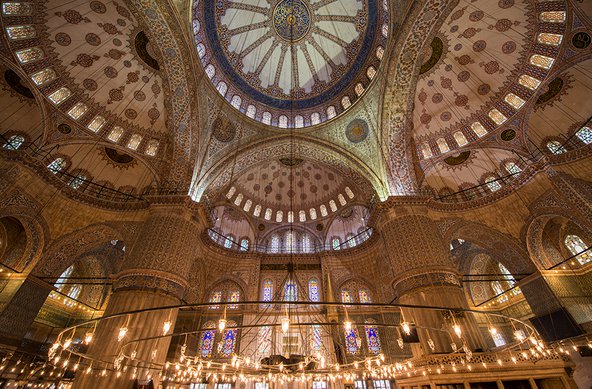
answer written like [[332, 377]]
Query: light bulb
[[457, 330], [121, 334], [519, 336], [493, 330], [285, 324], [88, 337], [406, 328], [221, 324], [166, 327], [67, 343], [347, 325]]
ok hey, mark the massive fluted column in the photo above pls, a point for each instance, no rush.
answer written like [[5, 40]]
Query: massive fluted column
[[154, 275], [425, 275]]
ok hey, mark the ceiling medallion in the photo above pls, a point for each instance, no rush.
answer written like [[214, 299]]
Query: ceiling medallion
[[356, 131], [291, 20], [458, 159]]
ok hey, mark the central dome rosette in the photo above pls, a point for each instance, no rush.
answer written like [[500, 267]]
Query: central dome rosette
[[291, 63]]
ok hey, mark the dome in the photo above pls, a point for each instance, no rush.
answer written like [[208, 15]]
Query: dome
[[291, 63]]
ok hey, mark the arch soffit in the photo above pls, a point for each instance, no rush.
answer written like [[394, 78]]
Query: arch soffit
[[65, 250], [402, 74], [508, 250], [236, 163], [36, 229]]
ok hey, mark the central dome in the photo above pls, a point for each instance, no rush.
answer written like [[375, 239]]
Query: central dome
[[290, 63]]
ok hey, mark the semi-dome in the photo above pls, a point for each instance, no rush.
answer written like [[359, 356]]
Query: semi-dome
[[291, 63]]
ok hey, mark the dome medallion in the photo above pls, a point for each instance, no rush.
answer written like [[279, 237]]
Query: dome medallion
[[291, 63], [291, 20]]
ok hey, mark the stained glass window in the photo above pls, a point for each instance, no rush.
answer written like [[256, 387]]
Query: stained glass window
[[349, 192], [44, 76], [74, 291], [238, 200], [97, 123], [236, 101], [514, 100], [360, 384], [134, 142], [228, 241], [546, 38], [313, 289], [77, 181], [115, 134], [512, 168], [499, 291], [372, 337], [313, 213], [498, 117], [244, 244], [352, 341], [319, 385], [460, 138], [576, 245], [529, 82], [215, 297], [302, 215], [206, 343], [345, 102], [492, 184], [234, 297], [60, 282], [371, 72], [336, 243], [332, 205], [266, 118], [498, 339], [426, 151], [14, 142], [443, 145], [541, 61], [283, 121], [222, 88], [264, 347], [555, 147], [290, 242], [30, 54], [279, 216], [57, 165], [267, 291], [290, 291], [251, 111], [210, 70], [585, 135], [317, 338], [152, 147], [306, 244], [248, 205], [315, 118], [229, 340], [478, 129], [346, 296], [349, 238], [364, 296], [60, 95], [275, 243], [553, 16], [77, 111], [331, 112]]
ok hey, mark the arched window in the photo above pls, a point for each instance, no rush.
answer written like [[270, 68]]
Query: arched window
[[576, 246], [14, 142], [60, 282], [460, 138], [275, 243], [372, 337], [492, 184], [499, 290], [74, 292], [244, 244], [57, 165], [215, 297], [313, 290], [351, 241], [264, 347], [317, 338], [228, 241], [77, 181], [512, 168], [443, 145], [229, 340], [267, 294], [332, 205], [234, 297], [341, 199], [507, 275], [352, 341], [556, 147], [290, 242], [346, 296], [364, 296], [323, 209], [206, 343], [306, 244], [302, 215], [585, 135], [336, 243], [290, 291]]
